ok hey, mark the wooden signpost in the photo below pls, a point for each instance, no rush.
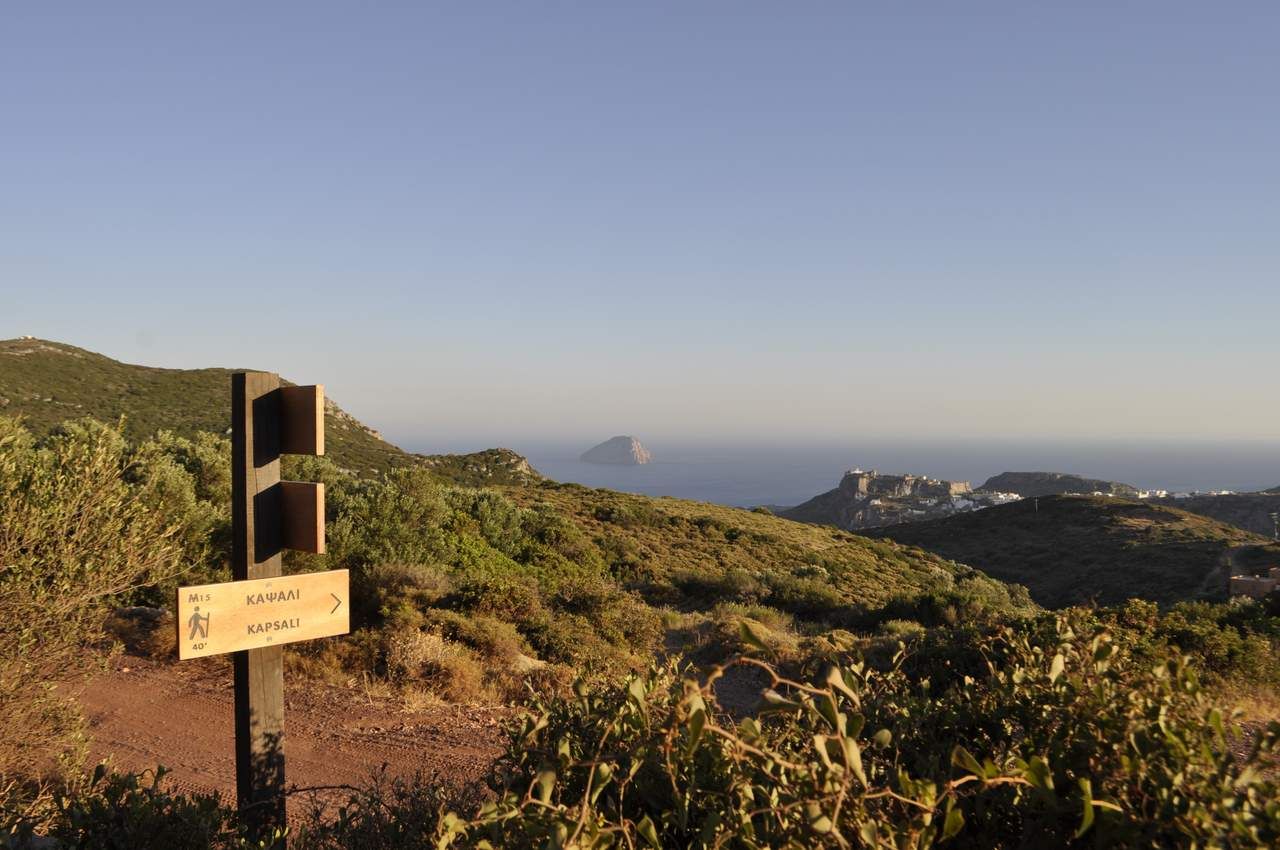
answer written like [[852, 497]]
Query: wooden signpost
[[239, 615], [258, 612]]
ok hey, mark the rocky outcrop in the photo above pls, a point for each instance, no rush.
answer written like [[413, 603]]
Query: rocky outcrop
[[487, 468], [1034, 484], [623, 451], [869, 499], [342, 419]]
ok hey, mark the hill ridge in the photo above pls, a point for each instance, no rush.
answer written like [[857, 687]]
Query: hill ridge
[[46, 382], [1032, 484], [1081, 549]]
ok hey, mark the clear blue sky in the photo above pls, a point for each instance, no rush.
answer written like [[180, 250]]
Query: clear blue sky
[[494, 222]]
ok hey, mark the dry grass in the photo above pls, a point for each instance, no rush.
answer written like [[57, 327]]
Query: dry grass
[[708, 638], [449, 670], [1256, 704]]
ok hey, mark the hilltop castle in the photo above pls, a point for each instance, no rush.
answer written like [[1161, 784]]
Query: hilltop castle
[[861, 485], [869, 499]]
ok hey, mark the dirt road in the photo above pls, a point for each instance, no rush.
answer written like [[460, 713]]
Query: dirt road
[[143, 713]]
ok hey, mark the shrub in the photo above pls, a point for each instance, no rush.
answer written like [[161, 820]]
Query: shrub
[[489, 636], [807, 597], [377, 590], [390, 814], [705, 587], [623, 559], [901, 628], [119, 810], [499, 520], [1048, 731], [187, 481], [398, 519], [770, 618], [711, 527], [561, 536], [73, 535], [1061, 735], [629, 514], [513, 597], [1239, 641]]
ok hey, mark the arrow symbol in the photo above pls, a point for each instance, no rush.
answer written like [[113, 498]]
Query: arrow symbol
[[337, 602]]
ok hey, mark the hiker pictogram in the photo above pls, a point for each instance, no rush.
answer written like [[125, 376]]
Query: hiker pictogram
[[199, 625]]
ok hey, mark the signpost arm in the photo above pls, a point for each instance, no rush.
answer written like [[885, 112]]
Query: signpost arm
[[255, 553]]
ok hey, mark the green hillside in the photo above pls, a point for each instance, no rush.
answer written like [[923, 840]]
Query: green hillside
[[1077, 549], [688, 554], [681, 555], [46, 382]]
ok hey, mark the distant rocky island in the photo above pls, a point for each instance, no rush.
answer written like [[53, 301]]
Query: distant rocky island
[[1034, 484], [620, 451]]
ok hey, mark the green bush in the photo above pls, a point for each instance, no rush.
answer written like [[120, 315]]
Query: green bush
[[126, 810], [1049, 732], [379, 589], [902, 628], [549, 528], [189, 481], [497, 519], [811, 598], [1239, 640], [1062, 734], [629, 514], [74, 536], [398, 519], [390, 814], [707, 586]]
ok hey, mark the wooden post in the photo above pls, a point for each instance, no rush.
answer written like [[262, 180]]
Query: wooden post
[[256, 553], [267, 516]]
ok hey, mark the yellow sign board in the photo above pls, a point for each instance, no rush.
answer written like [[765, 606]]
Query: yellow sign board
[[235, 615]]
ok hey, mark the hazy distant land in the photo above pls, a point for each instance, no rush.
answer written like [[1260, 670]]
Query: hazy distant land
[[745, 474]]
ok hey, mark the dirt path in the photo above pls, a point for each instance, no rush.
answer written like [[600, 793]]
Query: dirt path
[[143, 713]]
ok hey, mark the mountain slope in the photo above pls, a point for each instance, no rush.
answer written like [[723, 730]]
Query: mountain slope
[[48, 382], [692, 555], [1077, 549], [1255, 512]]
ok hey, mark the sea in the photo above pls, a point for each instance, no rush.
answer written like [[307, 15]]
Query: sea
[[750, 473]]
